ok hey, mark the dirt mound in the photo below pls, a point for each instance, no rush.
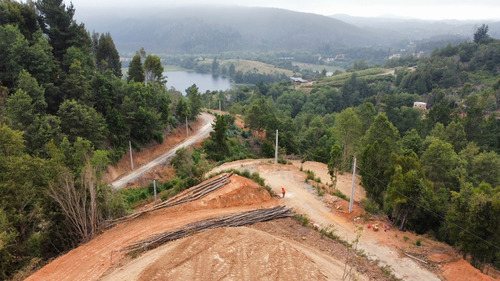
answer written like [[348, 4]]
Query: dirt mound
[[90, 261], [232, 254], [462, 270]]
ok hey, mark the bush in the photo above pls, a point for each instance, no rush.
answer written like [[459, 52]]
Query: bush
[[339, 193], [418, 242], [370, 206], [310, 175]]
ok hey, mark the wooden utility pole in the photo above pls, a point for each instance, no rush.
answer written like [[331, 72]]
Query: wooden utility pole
[[131, 158], [352, 189], [276, 150]]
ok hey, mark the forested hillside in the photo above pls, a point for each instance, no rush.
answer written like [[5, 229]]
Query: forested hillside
[[433, 171], [226, 29], [65, 114]]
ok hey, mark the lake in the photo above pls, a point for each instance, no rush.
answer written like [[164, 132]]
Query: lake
[[181, 80]]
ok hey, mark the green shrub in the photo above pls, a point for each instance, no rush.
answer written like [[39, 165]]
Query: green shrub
[[370, 206], [339, 193], [418, 242], [310, 175], [303, 220]]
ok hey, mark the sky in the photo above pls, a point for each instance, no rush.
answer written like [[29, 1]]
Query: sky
[[422, 9]]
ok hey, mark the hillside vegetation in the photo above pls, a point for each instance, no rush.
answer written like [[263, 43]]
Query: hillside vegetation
[[66, 113], [432, 171]]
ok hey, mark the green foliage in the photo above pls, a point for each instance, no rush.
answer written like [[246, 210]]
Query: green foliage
[[20, 110], [194, 98], [107, 56], [339, 194], [473, 223], [217, 148], [190, 164], [370, 206], [81, 120], [409, 192], [136, 70], [310, 175], [483, 169], [153, 70], [441, 165], [56, 20], [348, 128], [481, 34]]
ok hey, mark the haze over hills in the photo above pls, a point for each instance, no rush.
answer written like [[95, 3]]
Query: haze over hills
[[416, 29], [213, 30], [194, 30]]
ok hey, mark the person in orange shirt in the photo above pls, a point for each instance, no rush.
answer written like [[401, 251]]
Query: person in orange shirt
[[283, 190]]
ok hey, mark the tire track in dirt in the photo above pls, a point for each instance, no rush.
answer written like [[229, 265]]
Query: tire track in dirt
[[300, 196], [252, 255]]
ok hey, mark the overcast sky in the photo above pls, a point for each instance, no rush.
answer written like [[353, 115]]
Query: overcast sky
[[422, 9]]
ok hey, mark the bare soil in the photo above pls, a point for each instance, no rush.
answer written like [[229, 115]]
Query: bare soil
[[91, 260], [277, 250], [395, 249]]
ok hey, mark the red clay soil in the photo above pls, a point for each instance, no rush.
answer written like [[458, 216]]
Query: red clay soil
[[91, 260], [463, 271]]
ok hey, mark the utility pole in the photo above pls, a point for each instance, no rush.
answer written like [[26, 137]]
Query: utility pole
[[352, 189], [276, 150], [131, 158], [219, 106], [187, 131], [154, 185]]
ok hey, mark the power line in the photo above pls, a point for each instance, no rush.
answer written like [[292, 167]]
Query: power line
[[402, 195]]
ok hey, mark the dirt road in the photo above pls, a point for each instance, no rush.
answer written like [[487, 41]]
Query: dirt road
[[199, 135], [301, 197]]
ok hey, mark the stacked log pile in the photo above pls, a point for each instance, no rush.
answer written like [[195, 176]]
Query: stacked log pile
[[192, 194], [234, 220]]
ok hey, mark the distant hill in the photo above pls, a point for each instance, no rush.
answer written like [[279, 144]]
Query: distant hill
[[415, 29], [202, 30], [213, 30]]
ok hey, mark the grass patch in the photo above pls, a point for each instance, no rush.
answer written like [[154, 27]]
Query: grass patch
[[320, 191], [339, 193], [303, 220], [406, 238], [310, 175], [418, 242], [164, 190]]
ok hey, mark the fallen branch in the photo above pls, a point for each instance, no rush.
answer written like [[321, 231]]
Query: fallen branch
[[413, 257], [194, 193], [234, 220]]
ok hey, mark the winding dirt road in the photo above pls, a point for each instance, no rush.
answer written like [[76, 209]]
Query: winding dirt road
[[301, 197], [202, 133]]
